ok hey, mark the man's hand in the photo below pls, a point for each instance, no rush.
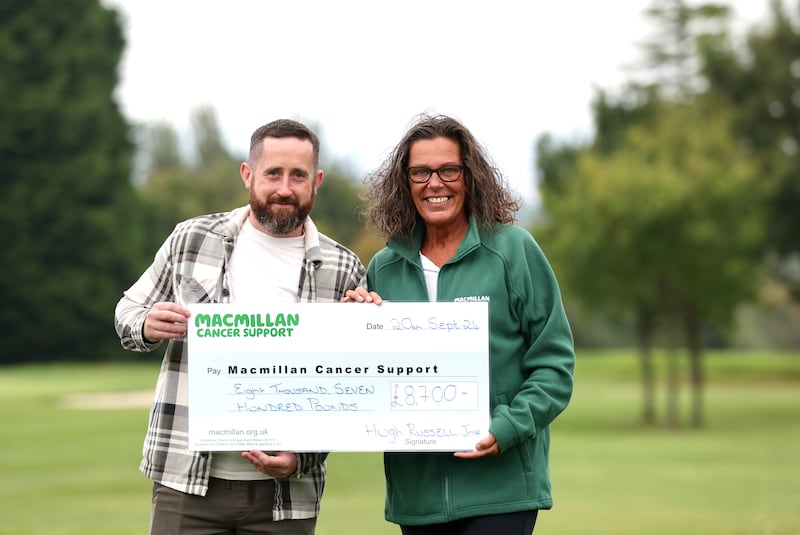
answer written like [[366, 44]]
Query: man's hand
[[165, 320], [279, 464]]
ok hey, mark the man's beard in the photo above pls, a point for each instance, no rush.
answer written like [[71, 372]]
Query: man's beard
[[284, 220]]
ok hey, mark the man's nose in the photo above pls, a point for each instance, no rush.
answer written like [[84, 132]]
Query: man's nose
[[283, 186]]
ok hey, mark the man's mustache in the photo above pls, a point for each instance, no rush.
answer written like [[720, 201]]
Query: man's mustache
[[283, 200]]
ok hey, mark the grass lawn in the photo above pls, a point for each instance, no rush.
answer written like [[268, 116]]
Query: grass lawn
[[65, 469]]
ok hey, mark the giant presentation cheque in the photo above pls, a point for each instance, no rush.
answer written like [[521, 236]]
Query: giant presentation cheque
[[338, 376]]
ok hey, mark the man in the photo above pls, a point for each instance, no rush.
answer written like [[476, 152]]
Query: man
[[269, 251]]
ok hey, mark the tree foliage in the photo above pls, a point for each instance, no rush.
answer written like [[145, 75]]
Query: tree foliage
[[668, 227], [178, 188], [336, 205], [762, 81], [671, 60], [661, 217], [67, 202], [670, 218]]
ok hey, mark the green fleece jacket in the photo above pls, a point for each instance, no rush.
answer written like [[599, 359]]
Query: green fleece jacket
[[531, 369]]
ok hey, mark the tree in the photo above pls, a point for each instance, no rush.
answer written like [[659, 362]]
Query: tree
[[162, 147], [179, 189], [68, 211], [667, 226], [661, 176], [762, 82], [336, 207], [671, 62], [556, 162], [210, 149]]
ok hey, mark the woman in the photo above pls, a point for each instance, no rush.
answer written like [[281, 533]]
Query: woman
[[447, 216]]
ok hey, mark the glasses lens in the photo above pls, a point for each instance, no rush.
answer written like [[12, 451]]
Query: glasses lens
[[447, 173], [450, 172], [419, 174]]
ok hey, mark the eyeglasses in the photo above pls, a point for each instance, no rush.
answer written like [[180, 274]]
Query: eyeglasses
[[447, 173]]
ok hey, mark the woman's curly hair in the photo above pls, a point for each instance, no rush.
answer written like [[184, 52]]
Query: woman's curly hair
[[390, 210]]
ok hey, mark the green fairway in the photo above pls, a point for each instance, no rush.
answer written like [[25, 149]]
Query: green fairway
[[68, 462]]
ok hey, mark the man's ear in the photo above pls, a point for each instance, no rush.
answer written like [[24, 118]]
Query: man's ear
[[246, 173]]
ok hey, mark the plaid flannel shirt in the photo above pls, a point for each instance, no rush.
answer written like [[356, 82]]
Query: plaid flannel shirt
[[191, 267]]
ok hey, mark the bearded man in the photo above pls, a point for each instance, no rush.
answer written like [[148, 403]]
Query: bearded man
[[269, 251]]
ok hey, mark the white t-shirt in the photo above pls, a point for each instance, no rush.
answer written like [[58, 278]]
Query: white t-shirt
[[262, 269], [431, 271], [265, 269]]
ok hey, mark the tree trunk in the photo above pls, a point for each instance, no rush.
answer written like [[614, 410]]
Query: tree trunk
[[673, 380], [645, 341], [696, 376]]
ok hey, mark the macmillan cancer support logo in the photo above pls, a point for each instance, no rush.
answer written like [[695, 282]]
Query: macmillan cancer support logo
[[231, 325]]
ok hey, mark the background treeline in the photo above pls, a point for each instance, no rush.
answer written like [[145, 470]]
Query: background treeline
[[675, 225], [680, 214]]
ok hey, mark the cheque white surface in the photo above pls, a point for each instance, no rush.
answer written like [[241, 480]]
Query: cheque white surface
[[338, 376]]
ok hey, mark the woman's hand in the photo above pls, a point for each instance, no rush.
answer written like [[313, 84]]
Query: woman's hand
[[487, 446]]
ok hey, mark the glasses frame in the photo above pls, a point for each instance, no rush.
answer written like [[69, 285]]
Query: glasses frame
[[430, 174]]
